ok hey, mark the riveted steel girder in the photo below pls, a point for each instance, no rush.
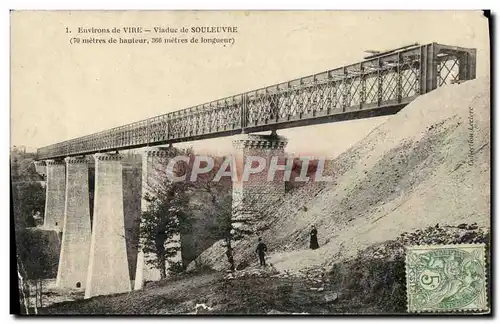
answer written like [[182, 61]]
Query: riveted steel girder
[[377, 86]]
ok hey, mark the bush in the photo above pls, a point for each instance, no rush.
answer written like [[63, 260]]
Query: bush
[[176, 268], [376, 278]]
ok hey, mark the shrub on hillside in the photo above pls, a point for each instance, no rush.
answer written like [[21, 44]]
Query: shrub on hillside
[[376, 278], [41, 253]]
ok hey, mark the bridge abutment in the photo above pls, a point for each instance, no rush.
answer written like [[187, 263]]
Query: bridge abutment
[[254, 192], [75, 246], [41, 168], [55, 194], [154, 173], [108, 271]]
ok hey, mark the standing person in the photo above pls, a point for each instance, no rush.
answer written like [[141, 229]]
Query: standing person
[[229, 255], [314, 238], [261, 250]]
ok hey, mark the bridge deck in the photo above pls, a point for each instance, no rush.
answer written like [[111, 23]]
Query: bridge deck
[[378, 86]]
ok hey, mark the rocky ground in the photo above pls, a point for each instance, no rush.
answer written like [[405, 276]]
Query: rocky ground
[[372, 282]]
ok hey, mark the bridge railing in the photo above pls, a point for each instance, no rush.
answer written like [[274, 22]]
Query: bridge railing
[[390, 79]]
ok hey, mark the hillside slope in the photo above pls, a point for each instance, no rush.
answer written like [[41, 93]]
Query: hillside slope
[[428, 164]]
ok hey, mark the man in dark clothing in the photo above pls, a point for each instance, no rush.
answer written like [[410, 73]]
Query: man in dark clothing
[[314, 238], [261, 250]]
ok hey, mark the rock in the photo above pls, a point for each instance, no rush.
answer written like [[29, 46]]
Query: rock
[[331, 297], [190, 305], [202, 308], [473, 226]]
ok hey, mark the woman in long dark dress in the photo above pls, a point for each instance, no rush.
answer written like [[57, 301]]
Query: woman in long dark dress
[[314, 238]]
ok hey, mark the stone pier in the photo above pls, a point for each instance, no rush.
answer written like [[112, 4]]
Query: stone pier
[[132, 190], [251, 196], [55, 195], [154, 163], [75, 246], [108, 271]]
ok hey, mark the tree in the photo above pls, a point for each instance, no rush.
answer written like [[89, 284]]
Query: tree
[[222, 228], [167, 215], [236, 217], [226, 204], [27, 198], [221, 199], [28, 193], [170, 210]]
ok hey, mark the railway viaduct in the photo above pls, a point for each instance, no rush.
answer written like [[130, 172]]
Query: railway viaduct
[[96, 258]]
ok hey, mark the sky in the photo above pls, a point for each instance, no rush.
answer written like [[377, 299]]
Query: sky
[[61, 91]]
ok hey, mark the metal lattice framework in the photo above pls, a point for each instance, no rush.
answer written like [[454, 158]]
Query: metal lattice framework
[[379, 85]]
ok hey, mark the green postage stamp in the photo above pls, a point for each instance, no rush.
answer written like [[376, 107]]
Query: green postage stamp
[[446, 278]]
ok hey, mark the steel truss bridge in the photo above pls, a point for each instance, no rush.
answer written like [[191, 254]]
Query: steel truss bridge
[[382, 84]]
